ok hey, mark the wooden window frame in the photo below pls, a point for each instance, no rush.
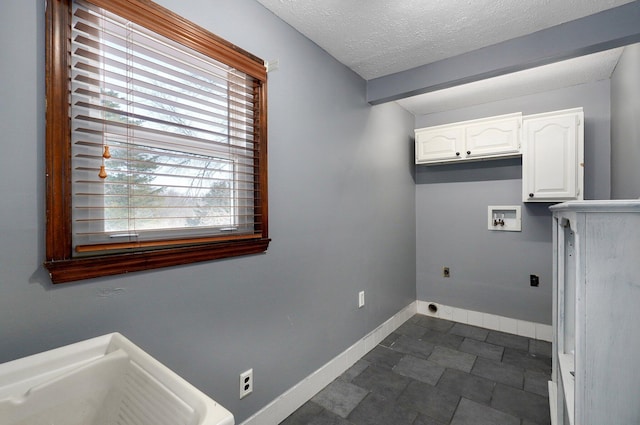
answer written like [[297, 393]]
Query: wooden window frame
[[61, 264]]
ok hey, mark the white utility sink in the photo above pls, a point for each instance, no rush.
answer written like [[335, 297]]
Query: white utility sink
[[101, 381]]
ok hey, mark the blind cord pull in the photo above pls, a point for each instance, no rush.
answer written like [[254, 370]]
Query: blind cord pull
[[106, 155]]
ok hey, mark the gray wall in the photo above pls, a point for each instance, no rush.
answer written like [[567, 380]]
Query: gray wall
[[625, 125], [342, 215], [490, 270]]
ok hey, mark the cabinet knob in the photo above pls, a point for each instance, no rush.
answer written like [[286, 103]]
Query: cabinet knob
[[457, 153], [531, 195], [468, 152]]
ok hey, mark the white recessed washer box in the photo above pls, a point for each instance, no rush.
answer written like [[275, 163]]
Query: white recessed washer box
[[101, 381], [507, 218]]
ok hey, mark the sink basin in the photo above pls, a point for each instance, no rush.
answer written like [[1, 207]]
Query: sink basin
[[101, 381]]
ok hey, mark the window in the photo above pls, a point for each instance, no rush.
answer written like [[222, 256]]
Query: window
[[156, 141]]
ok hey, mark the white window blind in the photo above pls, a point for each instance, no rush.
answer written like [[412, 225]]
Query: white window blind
[[163, 140]]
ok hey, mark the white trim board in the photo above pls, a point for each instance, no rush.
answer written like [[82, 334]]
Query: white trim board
[[287, 403], [488, 321]]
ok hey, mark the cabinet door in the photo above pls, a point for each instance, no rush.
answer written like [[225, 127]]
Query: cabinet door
[[438, 144], [493, 137], [552, 157]]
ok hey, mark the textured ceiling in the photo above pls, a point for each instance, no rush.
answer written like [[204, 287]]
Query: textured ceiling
[[380, 37]]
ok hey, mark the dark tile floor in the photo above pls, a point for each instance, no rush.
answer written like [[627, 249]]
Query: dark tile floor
[[436, 372]]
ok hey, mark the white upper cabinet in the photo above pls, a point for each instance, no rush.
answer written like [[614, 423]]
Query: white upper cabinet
[[551, 145], [486, 138], [442, 143], [553, 155], [493, 136]]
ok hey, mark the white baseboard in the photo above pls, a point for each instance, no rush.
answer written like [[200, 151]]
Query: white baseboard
[[287, 403], [553, 402], [487, 321]]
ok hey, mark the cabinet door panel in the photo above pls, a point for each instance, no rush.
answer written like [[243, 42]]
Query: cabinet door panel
[[438, 145], [551, 160], [494, 137]]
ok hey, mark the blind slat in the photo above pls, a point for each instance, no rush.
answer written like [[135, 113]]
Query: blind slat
[[180, 130], [119, 59], [170, 52], [248, 173], [111, 90], [235, 153], [165, 122], [153, 136], [163, 110], [177, 90]]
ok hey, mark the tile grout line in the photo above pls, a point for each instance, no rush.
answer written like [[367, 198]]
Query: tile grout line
[[461, 396], [287, 403], [280, 408]]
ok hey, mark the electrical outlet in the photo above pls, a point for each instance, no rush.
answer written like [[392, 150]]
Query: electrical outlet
[[360, 299], [445, 272], [534, 280], [246, 383]]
